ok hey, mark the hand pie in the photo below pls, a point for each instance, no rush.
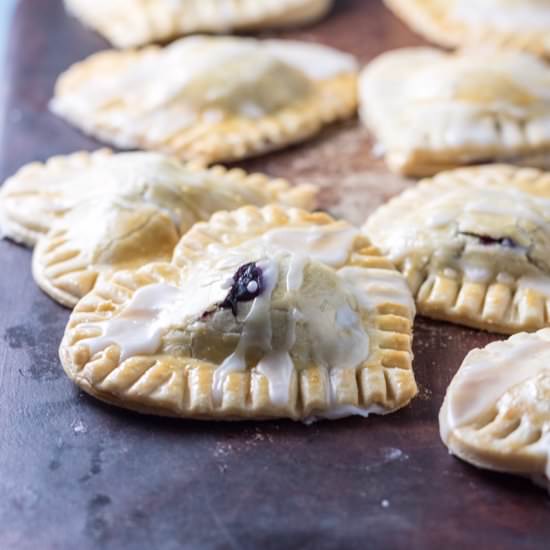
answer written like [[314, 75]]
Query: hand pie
[[518, 24], [128, 23], [100, 212], [474, 246], [496, 413], [262, 313], [431, 110], [209, 99]]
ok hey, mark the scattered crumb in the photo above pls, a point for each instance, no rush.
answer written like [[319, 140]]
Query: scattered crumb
[[390, 454], [79, 427], [385, 503]]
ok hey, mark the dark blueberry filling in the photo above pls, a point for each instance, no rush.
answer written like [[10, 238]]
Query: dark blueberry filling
[[247, 285], [485, 240]]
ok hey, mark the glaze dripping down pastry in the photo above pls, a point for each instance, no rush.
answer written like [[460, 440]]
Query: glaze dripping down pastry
[[261, 313]]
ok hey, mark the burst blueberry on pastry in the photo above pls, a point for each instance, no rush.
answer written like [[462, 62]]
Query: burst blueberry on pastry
[[95, 213], [128, 23], [496, 413], [209, 98], [430, 110], [518, 24], [474, 245], [262, 313]]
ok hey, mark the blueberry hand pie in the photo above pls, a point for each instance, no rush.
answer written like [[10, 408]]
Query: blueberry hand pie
[[518, 24], [262, 313], [209, 99], [496, 413], [128, 23], [432, 111], [99, 212], [474, 246]]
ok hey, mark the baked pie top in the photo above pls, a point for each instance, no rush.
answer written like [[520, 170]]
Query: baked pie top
[[496, 413], [262, 313], [521, 24], [128, 23], [209, 98], [474, 245], [432, 110]]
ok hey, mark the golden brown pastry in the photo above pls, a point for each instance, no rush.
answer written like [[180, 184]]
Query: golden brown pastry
[[128, 23], [517, 24], [431, 111], [262, 313], [474, 245], [209, 99], [496, 413]]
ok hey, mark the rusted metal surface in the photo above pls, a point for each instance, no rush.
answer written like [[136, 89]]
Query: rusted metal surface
[[75, 473]]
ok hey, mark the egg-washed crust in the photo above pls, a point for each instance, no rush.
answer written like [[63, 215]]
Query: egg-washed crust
[[60, 267], [29, 182], [509, 437], [138, 22], [496, 306], [179, 386], [445, 137], [431, 19], [235, 137]]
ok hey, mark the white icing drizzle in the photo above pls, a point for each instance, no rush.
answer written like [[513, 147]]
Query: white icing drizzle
[[539, 283], [256, 331], [487, 374], [277, 366], [295, 274], [373, 287], [341, 411], [330, 245], [151, 312], [137, 330], [475, 272]]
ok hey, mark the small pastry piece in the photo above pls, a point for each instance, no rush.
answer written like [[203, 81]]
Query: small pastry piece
[[262, 313], [517, 24], [431, 110], [100, 212], [474, 245], [496, 413], [209, 99], [128, 23]]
